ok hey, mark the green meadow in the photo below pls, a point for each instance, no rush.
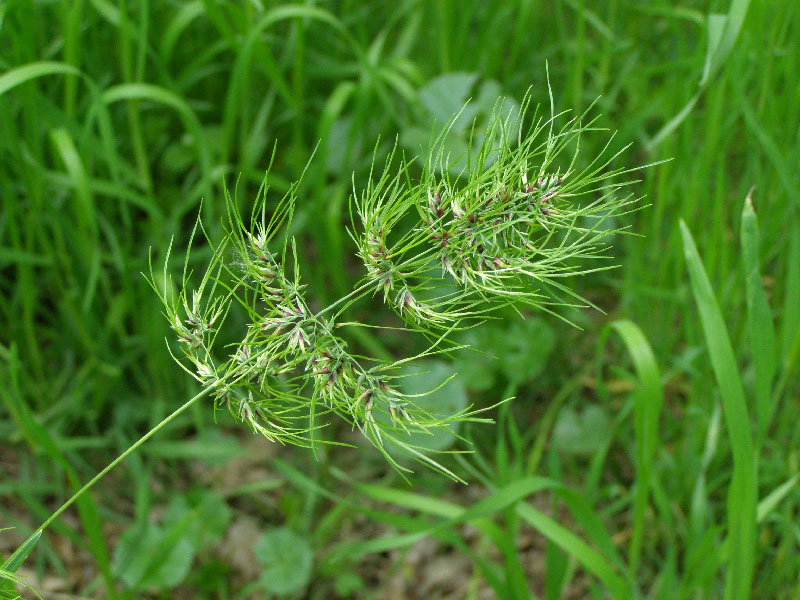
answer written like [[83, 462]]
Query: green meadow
[[635, 436]]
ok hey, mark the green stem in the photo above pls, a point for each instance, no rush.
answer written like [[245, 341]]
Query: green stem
[[365, 286], [113, 464], [355, 292]]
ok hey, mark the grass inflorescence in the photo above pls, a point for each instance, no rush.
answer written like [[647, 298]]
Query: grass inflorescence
[[443, 250]]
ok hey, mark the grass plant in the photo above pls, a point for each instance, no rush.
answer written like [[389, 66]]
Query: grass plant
[[476, 244]]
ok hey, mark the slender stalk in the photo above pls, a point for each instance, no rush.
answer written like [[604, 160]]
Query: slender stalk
[[206, 391], [355, 292]]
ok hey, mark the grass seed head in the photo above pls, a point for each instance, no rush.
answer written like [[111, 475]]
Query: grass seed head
[[444, 251]]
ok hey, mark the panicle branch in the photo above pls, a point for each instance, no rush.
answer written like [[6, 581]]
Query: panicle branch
[[518, 219]]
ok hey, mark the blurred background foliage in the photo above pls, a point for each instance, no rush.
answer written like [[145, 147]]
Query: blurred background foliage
[[117, 118]]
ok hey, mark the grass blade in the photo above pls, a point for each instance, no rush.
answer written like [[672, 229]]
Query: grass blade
[[759, 318], [159, 95], [15, 561], [725, 39], [765, 507], [771, 501], [741, 505], [790, 323], [593, 561], [722, 32], [14, 77], [589, 558], [648, 399]]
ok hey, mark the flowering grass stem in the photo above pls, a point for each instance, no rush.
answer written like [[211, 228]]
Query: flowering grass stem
[[89, 484]]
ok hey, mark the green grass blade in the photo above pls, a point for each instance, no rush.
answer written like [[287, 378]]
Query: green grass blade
[[20, 75], [725, 39], [417, 502], [159, 95], [771, 500], [648, 400], [790, 323], [15, 561], [557, 565], [759, 318], [83, 208], [741, 505], [765, 507], [592, 524], [671, 125], [601, 566], [722, 32], [589, 558], [180, 21]]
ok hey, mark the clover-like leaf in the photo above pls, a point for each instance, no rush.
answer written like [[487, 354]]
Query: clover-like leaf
[[287, 559]]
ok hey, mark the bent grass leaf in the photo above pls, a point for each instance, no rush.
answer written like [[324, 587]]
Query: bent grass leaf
[[19, 75], [648, 400], [604, 567], [722, 32], [741, 505]]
